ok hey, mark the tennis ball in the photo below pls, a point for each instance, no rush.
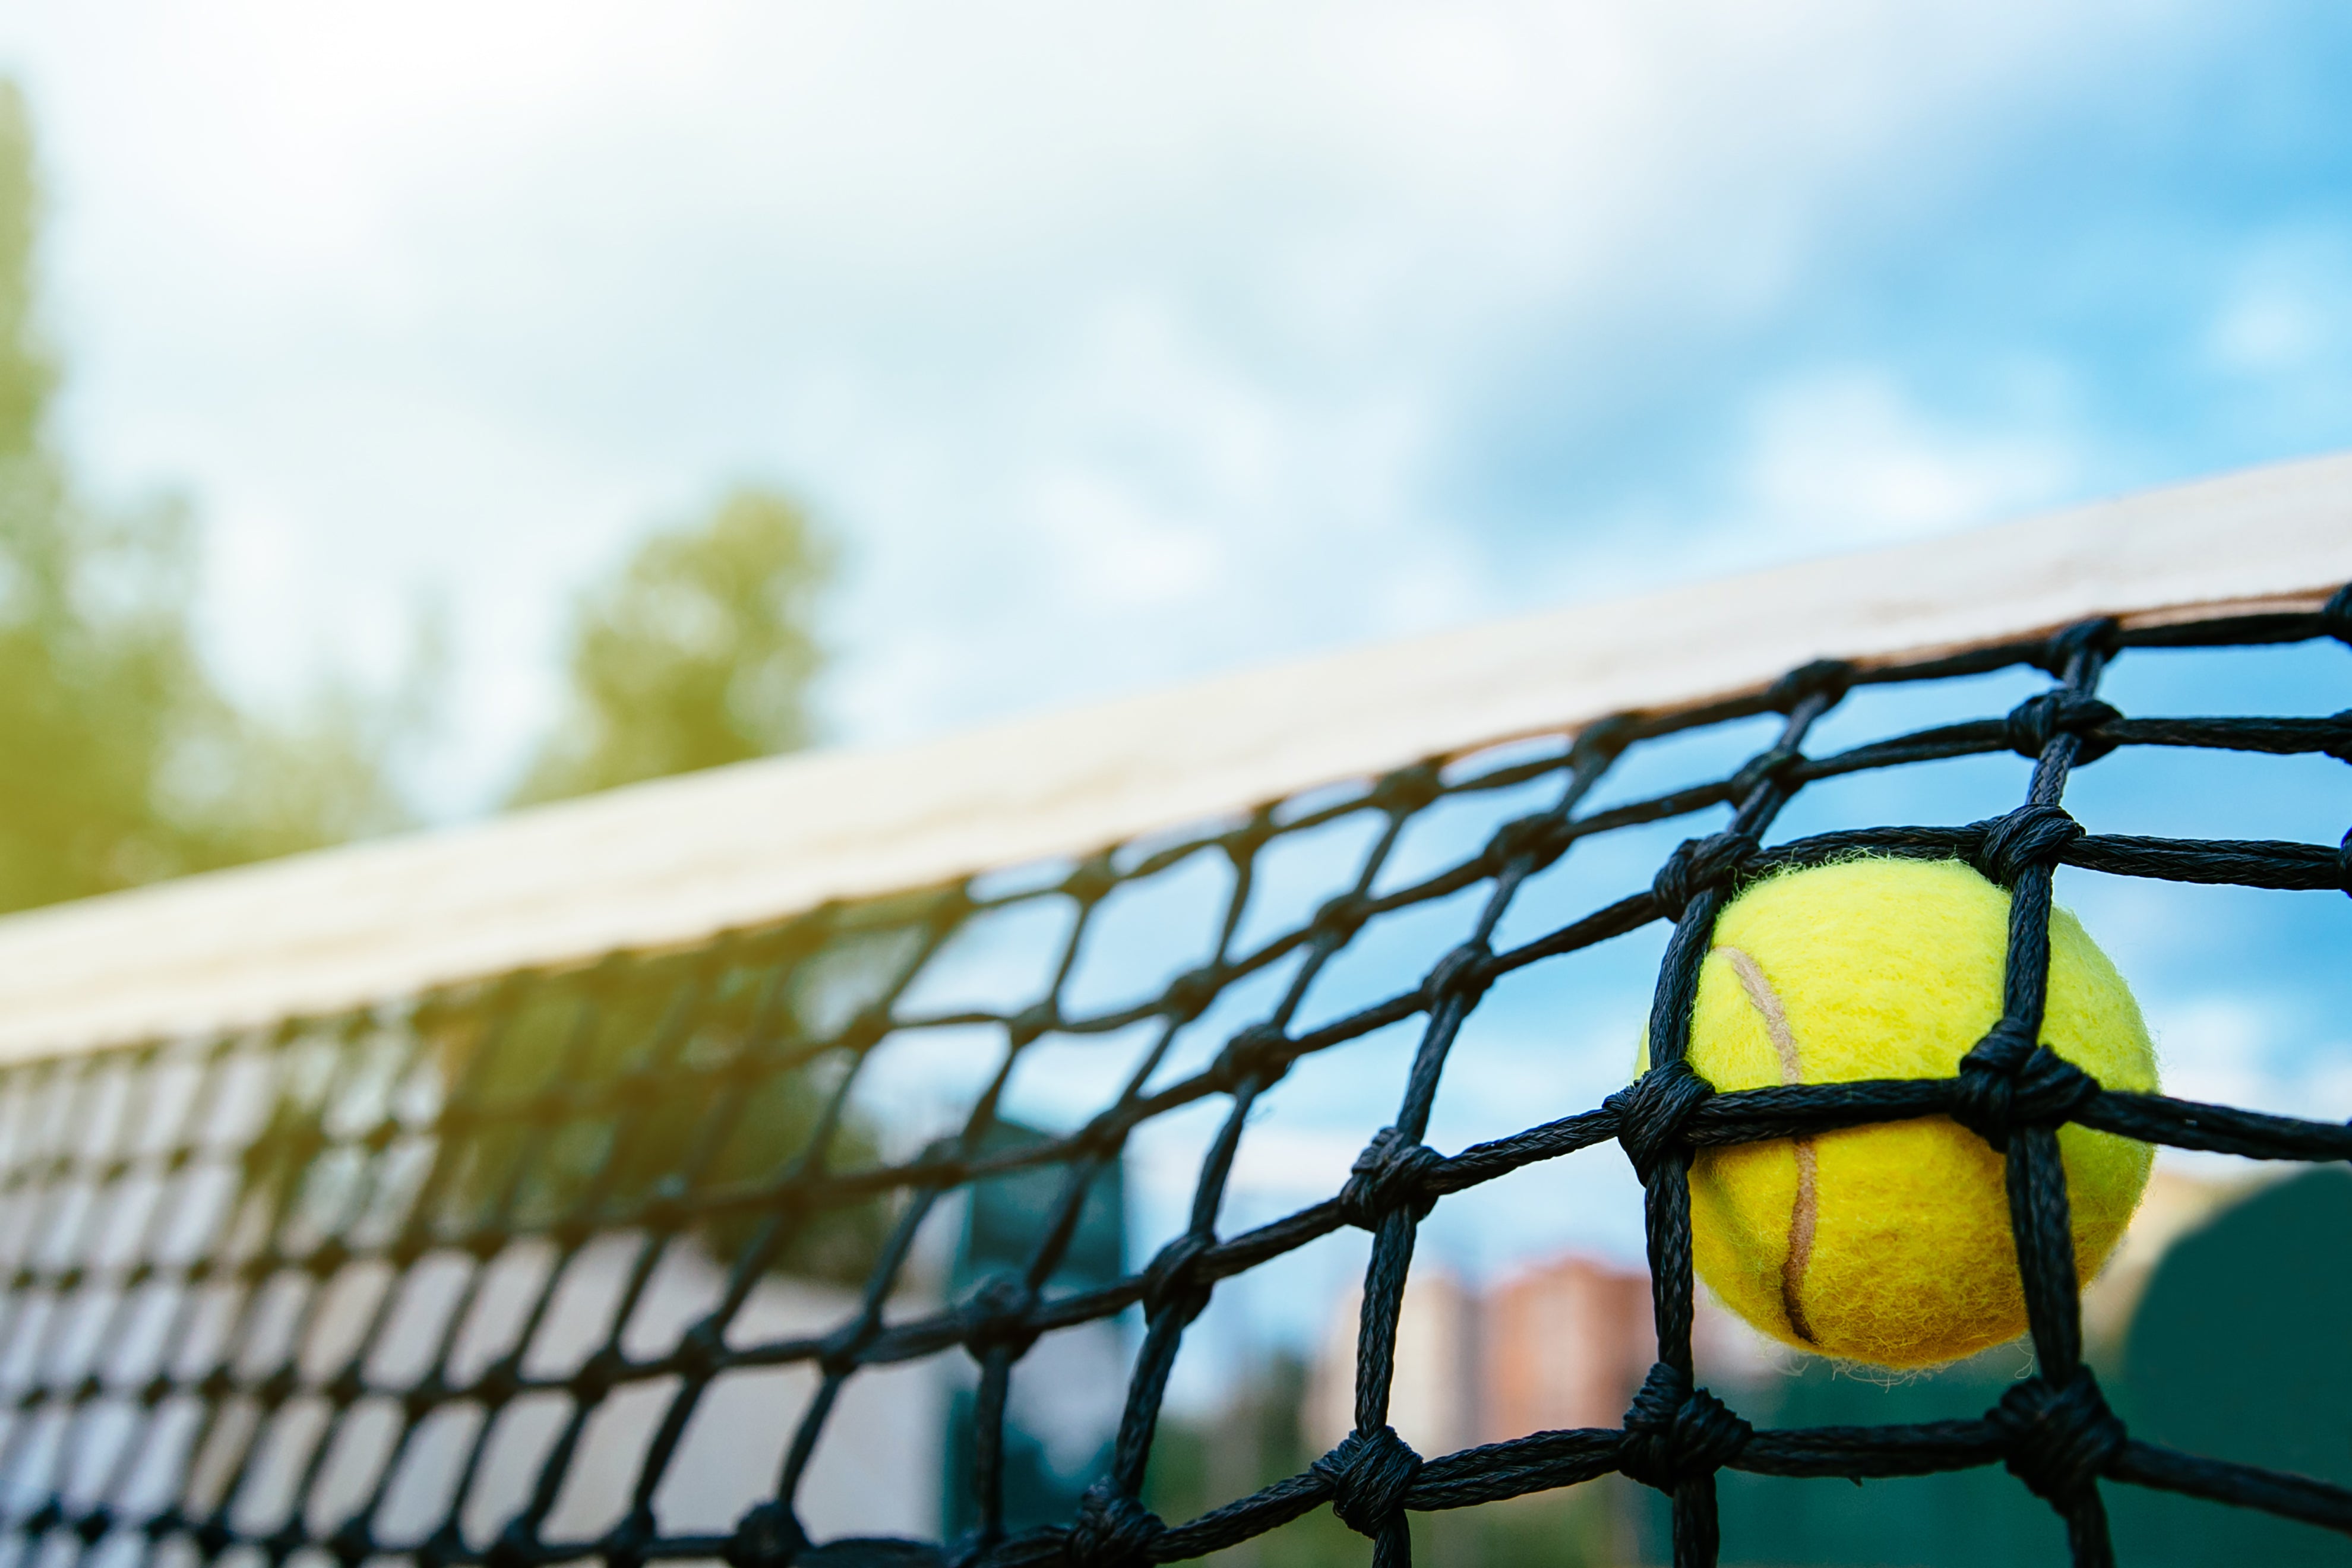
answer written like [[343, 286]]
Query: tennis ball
[[1891, 1244]]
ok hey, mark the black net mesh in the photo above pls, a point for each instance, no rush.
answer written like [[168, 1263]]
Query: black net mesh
[[319, 1292]]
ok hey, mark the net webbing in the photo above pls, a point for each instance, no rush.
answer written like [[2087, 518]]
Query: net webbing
[[186, 1220]]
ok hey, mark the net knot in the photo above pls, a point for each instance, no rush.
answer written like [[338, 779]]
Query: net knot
[[1601, 740], [1697, 864], [352, 1542], [516, 1546], [2009, 1081], [2340, 748], [2030, 835], [596, 1377], [2033, 723], [1340, 917], [1466, 972], [499, 1382], [1535, 841], [767, 1536], [1168, 1281], [437, 1550], [1407, 790], [2336, 615], [627, 1544], [997, 1315], [1370, 1474], [2060, 1436], [1392, 1173], [1189, 994], [1112, 1529], [1764, 767], [1261, 1051], [1091, 880], [1675, 1432], [1828, 677], [701, 1350], [2101, 633], [1651, 1111], [417, 1400], [1033, 1022]]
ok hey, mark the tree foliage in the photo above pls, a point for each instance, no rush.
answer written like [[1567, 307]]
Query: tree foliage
[[121, 761], [699, 651]]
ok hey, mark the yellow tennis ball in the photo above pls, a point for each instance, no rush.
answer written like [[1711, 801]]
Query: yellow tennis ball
[[1891, 1243]]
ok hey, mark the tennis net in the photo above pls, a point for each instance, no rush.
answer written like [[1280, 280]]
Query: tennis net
[[429, 1238]]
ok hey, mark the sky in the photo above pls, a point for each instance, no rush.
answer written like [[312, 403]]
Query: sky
[[1118, 346], [1122, 344]]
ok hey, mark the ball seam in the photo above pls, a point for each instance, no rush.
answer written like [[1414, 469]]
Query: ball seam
[[1804, 1211]]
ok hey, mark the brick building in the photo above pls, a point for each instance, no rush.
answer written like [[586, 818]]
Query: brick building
[[1563, 1344]]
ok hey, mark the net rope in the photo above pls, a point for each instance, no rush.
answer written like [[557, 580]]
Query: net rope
[[177, 1212]]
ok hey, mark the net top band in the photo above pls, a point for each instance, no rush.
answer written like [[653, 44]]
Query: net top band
[[679, 861]]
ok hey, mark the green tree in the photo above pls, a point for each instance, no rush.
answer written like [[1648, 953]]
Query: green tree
[[120, 761], [699, 651], [26, 374], [94, 660]]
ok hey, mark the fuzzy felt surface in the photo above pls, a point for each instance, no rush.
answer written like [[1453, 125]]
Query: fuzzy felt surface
[[1899, 1233]]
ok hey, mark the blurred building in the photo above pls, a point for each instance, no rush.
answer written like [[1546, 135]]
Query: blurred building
[[1561, 1344], [1437, 1395], [1565, 1344]]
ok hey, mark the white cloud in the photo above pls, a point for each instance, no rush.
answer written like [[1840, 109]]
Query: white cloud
[[2269, 327], [1845, 458], [1304, 1166], [2246, 1050], [1151, 332], [2286, 311], [2217, 1049]]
